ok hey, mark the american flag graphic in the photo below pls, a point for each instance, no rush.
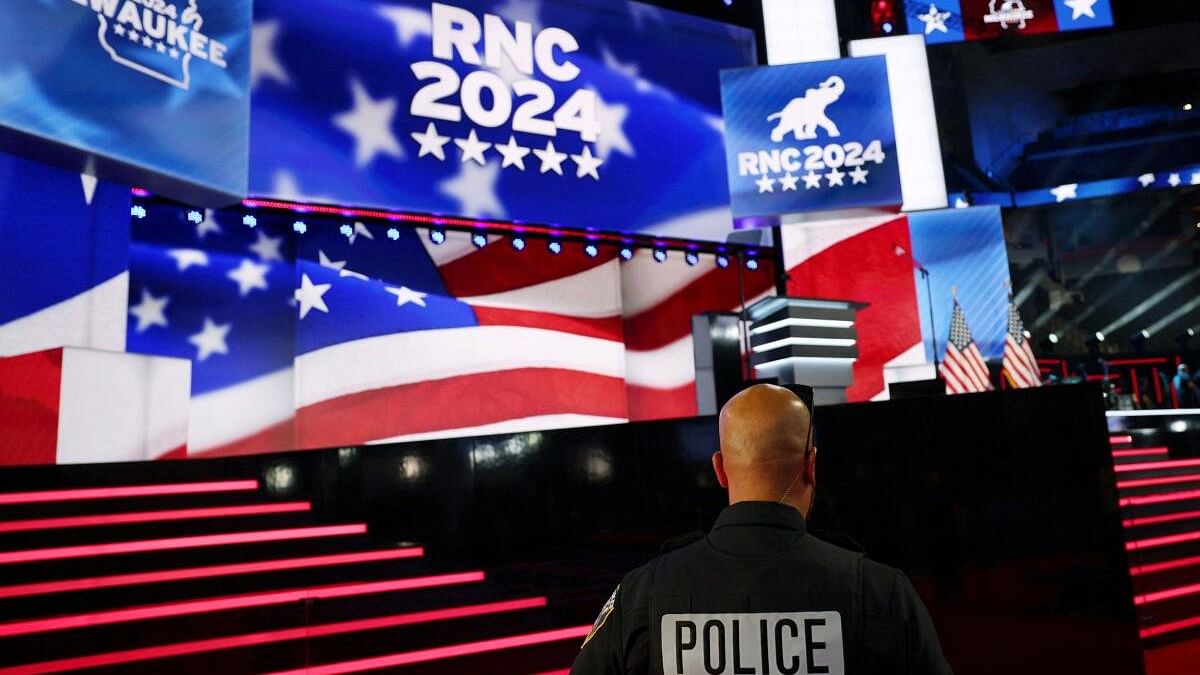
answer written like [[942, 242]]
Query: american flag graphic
[[963, 366], [1020, 365], [313, 332]]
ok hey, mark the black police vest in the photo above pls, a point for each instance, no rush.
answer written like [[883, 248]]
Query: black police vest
[[790, 604]]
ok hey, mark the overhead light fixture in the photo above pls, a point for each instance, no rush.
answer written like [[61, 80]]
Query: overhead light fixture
[[752, 264], [626, 253], [437, 235], [591, 250], [1053, 337], [691, 258], [518, 243], [555, 247], [479, 239], [722, 261], [660, 255]]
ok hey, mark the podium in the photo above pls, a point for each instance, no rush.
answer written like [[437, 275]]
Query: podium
[[806, 341]]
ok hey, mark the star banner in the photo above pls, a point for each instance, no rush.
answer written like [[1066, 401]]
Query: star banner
[[957, 20], [590, 115], [147, 93]]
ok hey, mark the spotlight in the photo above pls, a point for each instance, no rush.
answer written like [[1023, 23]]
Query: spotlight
[[195, 217], [479, 239], [1099, 336], [752, 264], [518, 243], [299, 227], [691, 258], [1187, 107], [1027, 334], [660, 255], [249, 220], [1138, 341], [591, 250], [1179, 426], [346, 230], [626, 253], [438, 236], [1191, 332], [555, 247], [1053, 337], [393, 234], [722, 261]]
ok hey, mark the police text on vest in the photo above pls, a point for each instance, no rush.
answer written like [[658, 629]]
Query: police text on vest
[[778, 643]]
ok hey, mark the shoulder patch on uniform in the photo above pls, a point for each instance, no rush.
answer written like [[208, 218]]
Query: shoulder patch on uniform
[[602, 618]]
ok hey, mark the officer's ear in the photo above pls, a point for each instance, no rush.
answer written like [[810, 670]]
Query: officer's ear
[[810, 467], [718, 463]]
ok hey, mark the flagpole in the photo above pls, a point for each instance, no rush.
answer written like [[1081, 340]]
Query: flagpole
[[932, 326]]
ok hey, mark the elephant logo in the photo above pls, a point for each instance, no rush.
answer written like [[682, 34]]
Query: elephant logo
[[803, 115], [1009, 13]]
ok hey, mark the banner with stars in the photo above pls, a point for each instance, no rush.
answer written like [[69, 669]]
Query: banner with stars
[[957, 20], [810, 137], [146, 93], [588, 115]]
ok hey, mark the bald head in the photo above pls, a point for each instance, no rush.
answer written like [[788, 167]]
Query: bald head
[[764, 436]]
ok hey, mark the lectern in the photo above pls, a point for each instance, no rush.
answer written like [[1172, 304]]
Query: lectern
[[806, 341]]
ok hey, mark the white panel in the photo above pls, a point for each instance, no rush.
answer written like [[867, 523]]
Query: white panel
[[918, 149], [799, 31], [118, 407], [95, 318]]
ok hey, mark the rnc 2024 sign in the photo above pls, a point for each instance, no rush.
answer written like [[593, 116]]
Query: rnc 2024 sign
[[810, 137], [158, 86], [575, 112]]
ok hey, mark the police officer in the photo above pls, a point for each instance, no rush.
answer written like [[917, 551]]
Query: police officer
[[759, 595]]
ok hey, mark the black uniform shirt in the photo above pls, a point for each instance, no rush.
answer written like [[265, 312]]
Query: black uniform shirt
[[760, 596]]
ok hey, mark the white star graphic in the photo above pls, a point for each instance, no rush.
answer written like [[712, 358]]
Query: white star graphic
[[474, 188], [1146, 179], [612, 132], [211, 339], [472, 148], [267, 247], [249, 276], [788, 182], [359, 229], [858, 176], [409, 23], [765, 184], [311, 296], [812, 180], [1081, 8], [513, 154], [370, 123], [586, 164], [1064, 192], [522, 10], [325, 262], [207, 226], [263, 62], [1196, 178], [405, 295], [629, 70], [188, 257], [934, 20], [431, 142], [551, 159], [835, 177], [1174, 180], [151, 311]]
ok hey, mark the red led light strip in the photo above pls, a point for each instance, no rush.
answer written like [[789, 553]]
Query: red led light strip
[[76, 494], [207, 605], [1154, 631], [267, 637], [1165, 480], [1143, 452], [206, 572], [1165, 540], [1164, 566], [1167, 594], [1143, 500], [439, 653], [1119, 440], [153, 516], [1164, 518], [1151, 466], [175, 543]]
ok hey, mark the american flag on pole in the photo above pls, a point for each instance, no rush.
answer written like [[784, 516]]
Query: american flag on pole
[[1020, 365], [963, 367]]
